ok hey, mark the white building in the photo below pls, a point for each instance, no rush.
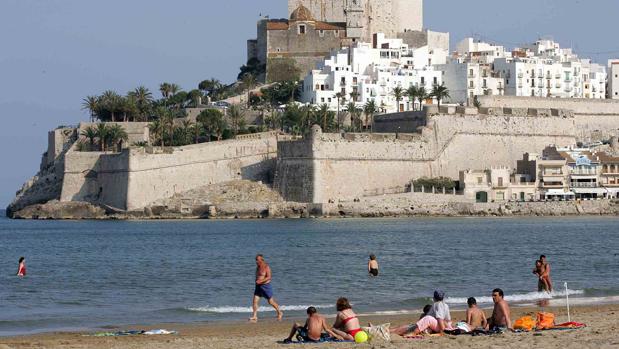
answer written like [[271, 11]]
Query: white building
[[613, 78], [372, 72], [542, 69]]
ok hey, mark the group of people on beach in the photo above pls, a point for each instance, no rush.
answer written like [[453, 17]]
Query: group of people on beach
[[436, 317]]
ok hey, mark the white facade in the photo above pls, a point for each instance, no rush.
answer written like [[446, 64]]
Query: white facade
[[613, 78], [542, 69], [372, 72]]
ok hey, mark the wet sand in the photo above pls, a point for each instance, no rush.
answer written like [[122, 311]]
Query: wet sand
[[602, 322]]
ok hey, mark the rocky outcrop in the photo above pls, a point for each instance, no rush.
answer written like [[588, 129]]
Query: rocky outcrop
[[61, 210]]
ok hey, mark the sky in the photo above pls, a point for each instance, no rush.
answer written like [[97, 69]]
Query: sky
[[53, 53]]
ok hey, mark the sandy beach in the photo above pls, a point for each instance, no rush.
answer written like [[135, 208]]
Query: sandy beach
[[602, 322]]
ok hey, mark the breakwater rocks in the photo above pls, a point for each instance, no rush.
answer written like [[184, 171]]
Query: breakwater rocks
[[282, 210], [61, 211]]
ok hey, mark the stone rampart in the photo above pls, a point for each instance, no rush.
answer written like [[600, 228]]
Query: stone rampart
[[331, 167], [577, 105], [139, 176]]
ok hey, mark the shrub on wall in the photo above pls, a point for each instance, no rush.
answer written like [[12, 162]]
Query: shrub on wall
[[282, 69]]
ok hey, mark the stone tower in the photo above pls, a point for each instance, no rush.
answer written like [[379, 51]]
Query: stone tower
[[355, 19], [386, 16]]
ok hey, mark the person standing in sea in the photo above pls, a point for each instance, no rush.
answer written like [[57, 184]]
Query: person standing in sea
[[373, 266], [546, 273], [263, 289], [21, 270]]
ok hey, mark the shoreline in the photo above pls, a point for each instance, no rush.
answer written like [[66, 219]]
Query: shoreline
[[602, 322]]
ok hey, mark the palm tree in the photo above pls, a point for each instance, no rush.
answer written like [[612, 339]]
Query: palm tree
[[91, 103], [210, 87], [353, 111], [174, 89], [143, 99], [116, 135], [249, 82], [440, 92], [412, 92], [422, 95], [341, 98], [369, 109], [398, 93], [90, 133], [112, 103], [165, 90], [237, 118], [354, 95], [156, 129], [324, 117], [195, 97], [102, 134]]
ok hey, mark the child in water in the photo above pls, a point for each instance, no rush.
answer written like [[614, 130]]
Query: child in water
[[373, 265], [21, 271]]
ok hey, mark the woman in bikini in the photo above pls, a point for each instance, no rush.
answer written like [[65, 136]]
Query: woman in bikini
[[346, 322], [539, 270], [21, 270]]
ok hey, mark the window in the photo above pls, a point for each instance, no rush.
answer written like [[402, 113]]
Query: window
[[500, 196], [321, 33], [500, 181], [480, 180], [322, 99], [337, 33], [302, 29], [423, 80], [435, 80]]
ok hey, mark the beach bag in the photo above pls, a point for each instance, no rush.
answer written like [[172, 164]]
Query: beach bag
[[525, 323], [545, 321], [378, 333]]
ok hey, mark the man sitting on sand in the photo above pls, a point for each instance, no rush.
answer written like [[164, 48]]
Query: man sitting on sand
[[315, 329], [500, 320], [437, 320], [475, 317]]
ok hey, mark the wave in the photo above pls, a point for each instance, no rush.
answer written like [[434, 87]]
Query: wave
[[524, 297], [232, 309]]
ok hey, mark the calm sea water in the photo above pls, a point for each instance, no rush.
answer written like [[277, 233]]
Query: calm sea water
[[86, 275]]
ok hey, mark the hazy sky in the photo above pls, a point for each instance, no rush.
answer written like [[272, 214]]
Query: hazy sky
[[55, 52]]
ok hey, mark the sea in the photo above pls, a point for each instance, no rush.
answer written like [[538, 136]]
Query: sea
[[89, 275]]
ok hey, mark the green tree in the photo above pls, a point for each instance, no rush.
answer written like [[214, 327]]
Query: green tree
[[326, 118], [111, 104], [440, 92], [282, 69], [195, 97], [102, 134], [166, 90], [249, 82], [398, 94], [354, 112], [143, 100], [252, 67], [91, 103], [412, 92], [237, 118], [90, 133], [370, 109], [422, 95], [156, 132], [115, 135], [213, 121], [210, 87]]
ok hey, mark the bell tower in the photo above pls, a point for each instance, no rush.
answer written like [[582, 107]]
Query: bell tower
[[354, 11]]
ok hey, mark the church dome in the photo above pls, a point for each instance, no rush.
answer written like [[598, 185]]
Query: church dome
[[302, 14]]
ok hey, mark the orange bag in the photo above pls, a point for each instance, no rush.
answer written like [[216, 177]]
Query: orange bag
[[545, 321], [524, 323]]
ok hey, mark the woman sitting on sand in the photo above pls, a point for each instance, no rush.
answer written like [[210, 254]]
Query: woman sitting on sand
[[346, 322]]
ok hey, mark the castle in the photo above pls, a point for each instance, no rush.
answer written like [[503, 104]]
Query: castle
[[315, 28]]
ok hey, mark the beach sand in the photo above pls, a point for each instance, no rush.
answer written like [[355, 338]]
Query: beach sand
[[602, 332]]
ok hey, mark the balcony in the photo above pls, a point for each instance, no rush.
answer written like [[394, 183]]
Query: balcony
[[584, 172], [552, 185], [568, 79], [558, 76], [568, 89], [520, 75], [583, 184]]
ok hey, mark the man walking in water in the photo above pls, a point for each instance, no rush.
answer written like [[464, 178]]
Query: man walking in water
[[546, 272], [263, 288]]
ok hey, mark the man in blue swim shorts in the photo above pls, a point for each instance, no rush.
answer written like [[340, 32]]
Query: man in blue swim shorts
[[263, 289]]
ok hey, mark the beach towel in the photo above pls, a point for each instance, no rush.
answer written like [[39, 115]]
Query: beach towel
[[545, 321], [132, 333], [568, 326], [159, 332], [525, 323]]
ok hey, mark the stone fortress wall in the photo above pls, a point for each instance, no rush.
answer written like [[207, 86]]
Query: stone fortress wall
[[136, 177], [324, 168]]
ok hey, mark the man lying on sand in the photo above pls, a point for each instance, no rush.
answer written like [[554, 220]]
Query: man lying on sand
[[315, 329], [500, 320]]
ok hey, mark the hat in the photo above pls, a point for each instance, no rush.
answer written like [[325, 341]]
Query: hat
[[439, 295]]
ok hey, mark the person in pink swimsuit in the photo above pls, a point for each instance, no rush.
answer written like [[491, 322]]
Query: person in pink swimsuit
[[21, 271]]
